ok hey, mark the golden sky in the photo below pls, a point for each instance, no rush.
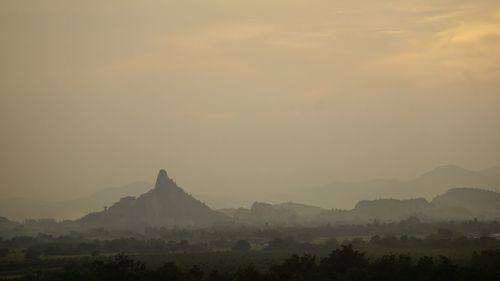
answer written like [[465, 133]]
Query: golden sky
[[254, 96]]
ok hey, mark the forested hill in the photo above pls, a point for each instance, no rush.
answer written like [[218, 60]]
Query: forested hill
[[165, 205]]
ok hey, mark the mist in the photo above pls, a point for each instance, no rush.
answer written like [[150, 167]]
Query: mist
[[243, 101], [260, 140]]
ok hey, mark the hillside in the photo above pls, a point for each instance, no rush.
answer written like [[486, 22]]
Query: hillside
[[345, 195], [165, 205], [22, 208], [288, 213], [7, 224], [455, 204], [482, 203], [390, 209]]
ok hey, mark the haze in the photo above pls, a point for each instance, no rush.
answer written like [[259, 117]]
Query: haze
[[243, 98]]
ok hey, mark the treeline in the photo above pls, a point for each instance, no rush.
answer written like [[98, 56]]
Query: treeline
[[344, 264], [410, 226], [46, 245]]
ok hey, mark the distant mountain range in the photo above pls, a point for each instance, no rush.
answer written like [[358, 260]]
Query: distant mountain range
[[167, 205], [455, 204], [22, 208], [284, 213], [344, 195], [122, 201]]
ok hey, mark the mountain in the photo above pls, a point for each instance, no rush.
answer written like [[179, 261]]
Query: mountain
[[302, 210], [450, 176], [342, 195], [493, 172], [454, 204], [22, 208], [7, 224], [481, 203], [346, 194], [391, 209], [105, 197], [288, 213], [165, 205]]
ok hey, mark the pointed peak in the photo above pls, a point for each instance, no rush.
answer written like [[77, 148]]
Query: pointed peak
[[162, 173], [162, 180], [450, 167]]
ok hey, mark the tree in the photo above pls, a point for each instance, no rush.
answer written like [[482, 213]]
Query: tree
[[332, 244], [215, 275], [119, 268], [391, 267], [345, 264], [183, 245], [4, 252], [444, 233], [249, 273], [241, 246], [195, 273], [32, 254], [296, 268], [169, 271]]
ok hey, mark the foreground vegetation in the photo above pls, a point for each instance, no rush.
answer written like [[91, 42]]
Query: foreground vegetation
[[341, 264], [407, 250]]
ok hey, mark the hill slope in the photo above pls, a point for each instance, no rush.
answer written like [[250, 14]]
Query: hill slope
[[165, 205], [483, 203], [346, 194], [288, 213], [455, 204]]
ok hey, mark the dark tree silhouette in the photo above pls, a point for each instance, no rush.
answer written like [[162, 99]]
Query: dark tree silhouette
[[241, 246]]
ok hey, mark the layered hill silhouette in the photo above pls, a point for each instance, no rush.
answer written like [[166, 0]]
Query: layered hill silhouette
[[22, 208], [455, 204], [167, 205], [284, 213], [479, 202], [6, 223], [340, 195], [164, 205], [345, 195]]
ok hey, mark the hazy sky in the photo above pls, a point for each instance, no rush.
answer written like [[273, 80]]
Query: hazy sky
[[246, 97]]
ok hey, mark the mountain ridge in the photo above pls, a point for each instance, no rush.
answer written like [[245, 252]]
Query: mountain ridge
[[165, 205], [454, 204], [426, 185], [24, 208]]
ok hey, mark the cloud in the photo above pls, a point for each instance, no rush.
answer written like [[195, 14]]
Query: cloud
[[215, 36], [463, 48]]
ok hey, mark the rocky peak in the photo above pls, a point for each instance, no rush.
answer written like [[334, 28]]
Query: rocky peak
[[165, 205], [163, 181]]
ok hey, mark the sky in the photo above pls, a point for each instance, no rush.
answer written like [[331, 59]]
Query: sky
[[243, 98]]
